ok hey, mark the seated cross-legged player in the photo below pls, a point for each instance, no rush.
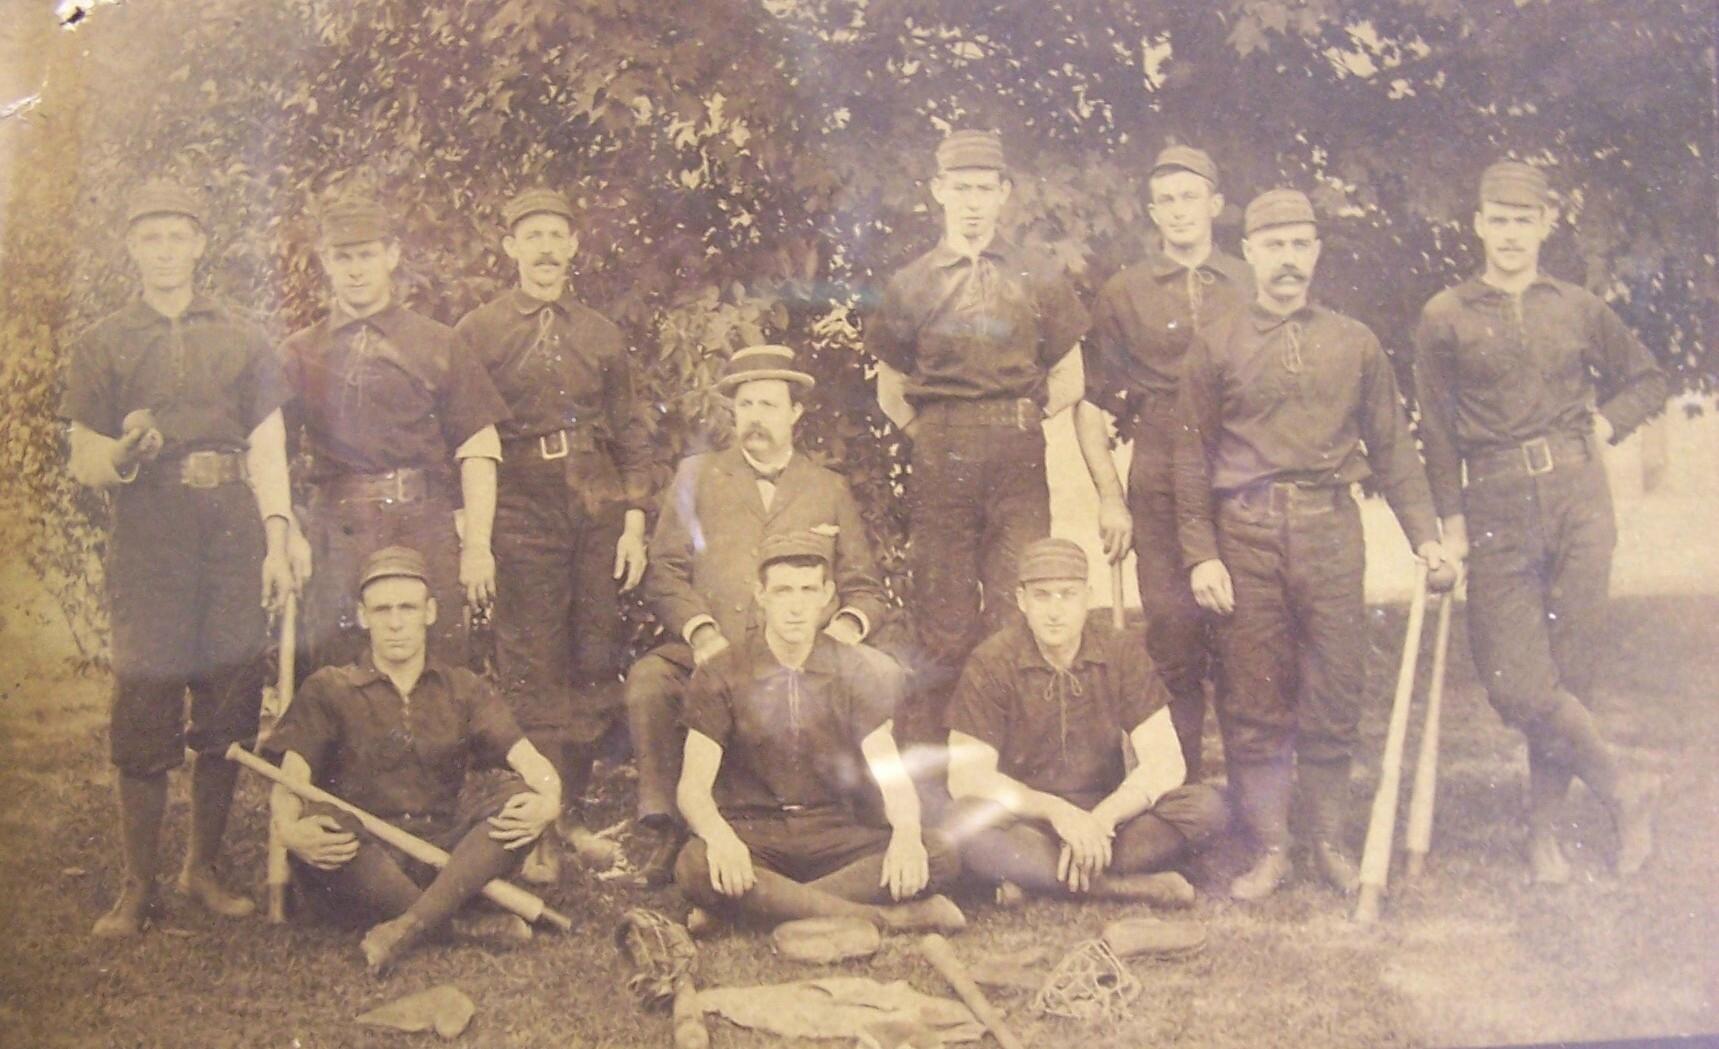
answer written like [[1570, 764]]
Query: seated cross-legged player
[[394, 734], [788, 735], [1043, 722]]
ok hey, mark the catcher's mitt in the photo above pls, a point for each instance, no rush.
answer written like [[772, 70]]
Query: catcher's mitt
[[660, 951]]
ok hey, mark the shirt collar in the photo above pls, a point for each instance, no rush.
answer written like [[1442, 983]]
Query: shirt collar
[[140, 314], [385, 320], [943, 256], [1475, 289], [366, 673], [759, 467], [1265, 320], [1027, 653], [528, 305], [821, 660]]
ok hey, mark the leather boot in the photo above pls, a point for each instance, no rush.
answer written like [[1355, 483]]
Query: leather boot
[[592, 852], [142, 803], [1262, 801], [1326, 784], [212, 780]]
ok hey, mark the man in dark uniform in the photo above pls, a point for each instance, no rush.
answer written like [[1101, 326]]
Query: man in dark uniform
[[387, 401], [1047, 712], [570, 518], [1509, 368], [976, 347], [1285, 406], [715, 515], [174, 401], [1143, 320], [394, 734], [788, 732]]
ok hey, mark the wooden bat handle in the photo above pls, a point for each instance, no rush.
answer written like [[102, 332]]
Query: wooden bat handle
[[504, 894], [1118, 617], [942, 958], [278, 873]]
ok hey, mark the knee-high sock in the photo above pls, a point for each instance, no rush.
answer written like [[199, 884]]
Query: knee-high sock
[[212, 780], [142, 805], [476, 861]]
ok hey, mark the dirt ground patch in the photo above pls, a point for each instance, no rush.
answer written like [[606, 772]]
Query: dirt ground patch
[[1469, 955]]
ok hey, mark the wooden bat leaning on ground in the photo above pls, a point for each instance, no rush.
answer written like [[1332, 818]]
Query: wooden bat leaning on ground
[[1419, 840], [942, 958], [502, 893], [1382, 826]]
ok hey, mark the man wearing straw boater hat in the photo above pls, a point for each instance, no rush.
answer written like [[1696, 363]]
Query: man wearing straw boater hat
[[1046, 717], [393, 734], [1285, 405], [389, 404], [1522, 378], [976, 346], [1142, 323], [174, 403], [570, 505], [714, 516]]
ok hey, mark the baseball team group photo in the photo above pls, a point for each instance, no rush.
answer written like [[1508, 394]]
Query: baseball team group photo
[[884, 523]]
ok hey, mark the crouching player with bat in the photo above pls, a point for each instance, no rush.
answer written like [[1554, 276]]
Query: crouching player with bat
[[1043, 719], [787, 737], [394, 734]]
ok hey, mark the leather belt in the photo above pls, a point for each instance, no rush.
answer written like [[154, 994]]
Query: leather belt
[[202, 469], [1020, 413], [1282, 497], [407, 484], [548, 446], [1531, 458]]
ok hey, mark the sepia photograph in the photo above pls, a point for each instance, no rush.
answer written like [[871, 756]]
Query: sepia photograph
[[608, 524]]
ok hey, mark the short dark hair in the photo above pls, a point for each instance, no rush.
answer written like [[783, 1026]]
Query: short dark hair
[[794, 561]]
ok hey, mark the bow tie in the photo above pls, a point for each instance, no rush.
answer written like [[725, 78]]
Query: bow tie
[[768, 475]]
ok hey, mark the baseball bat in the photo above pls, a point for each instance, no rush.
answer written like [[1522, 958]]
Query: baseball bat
[[689, 1030], [1419, 840], [1117, 617], [942, 958], [279, 875], [1382, 826], [503, 894]]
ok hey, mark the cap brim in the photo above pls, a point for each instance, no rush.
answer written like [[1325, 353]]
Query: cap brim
[[785, 374]]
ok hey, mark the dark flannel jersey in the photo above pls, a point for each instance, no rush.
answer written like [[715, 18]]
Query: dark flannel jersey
[[1308, 399], [389, 391], [970, 329], [209, 376], [1493, 370], [1063, 732]]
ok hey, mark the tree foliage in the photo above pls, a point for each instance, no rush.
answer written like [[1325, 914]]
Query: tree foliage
[[753, 171]]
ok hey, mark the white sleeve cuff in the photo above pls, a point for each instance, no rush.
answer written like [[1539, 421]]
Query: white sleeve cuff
[[858, 617], [692, 626]]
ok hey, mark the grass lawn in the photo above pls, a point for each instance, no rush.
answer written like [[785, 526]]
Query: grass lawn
[[1468, 955]]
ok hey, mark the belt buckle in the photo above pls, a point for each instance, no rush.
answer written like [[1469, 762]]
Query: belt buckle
[[1537, 456], [560, 451], [200, 470], [400, 477], [790, 809], [1024, 408]]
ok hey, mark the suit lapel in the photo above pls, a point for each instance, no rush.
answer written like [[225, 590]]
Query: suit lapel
[[740, 477], [788, 486]]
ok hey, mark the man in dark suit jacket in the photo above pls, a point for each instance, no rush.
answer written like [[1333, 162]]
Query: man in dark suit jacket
[[703, 558]]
